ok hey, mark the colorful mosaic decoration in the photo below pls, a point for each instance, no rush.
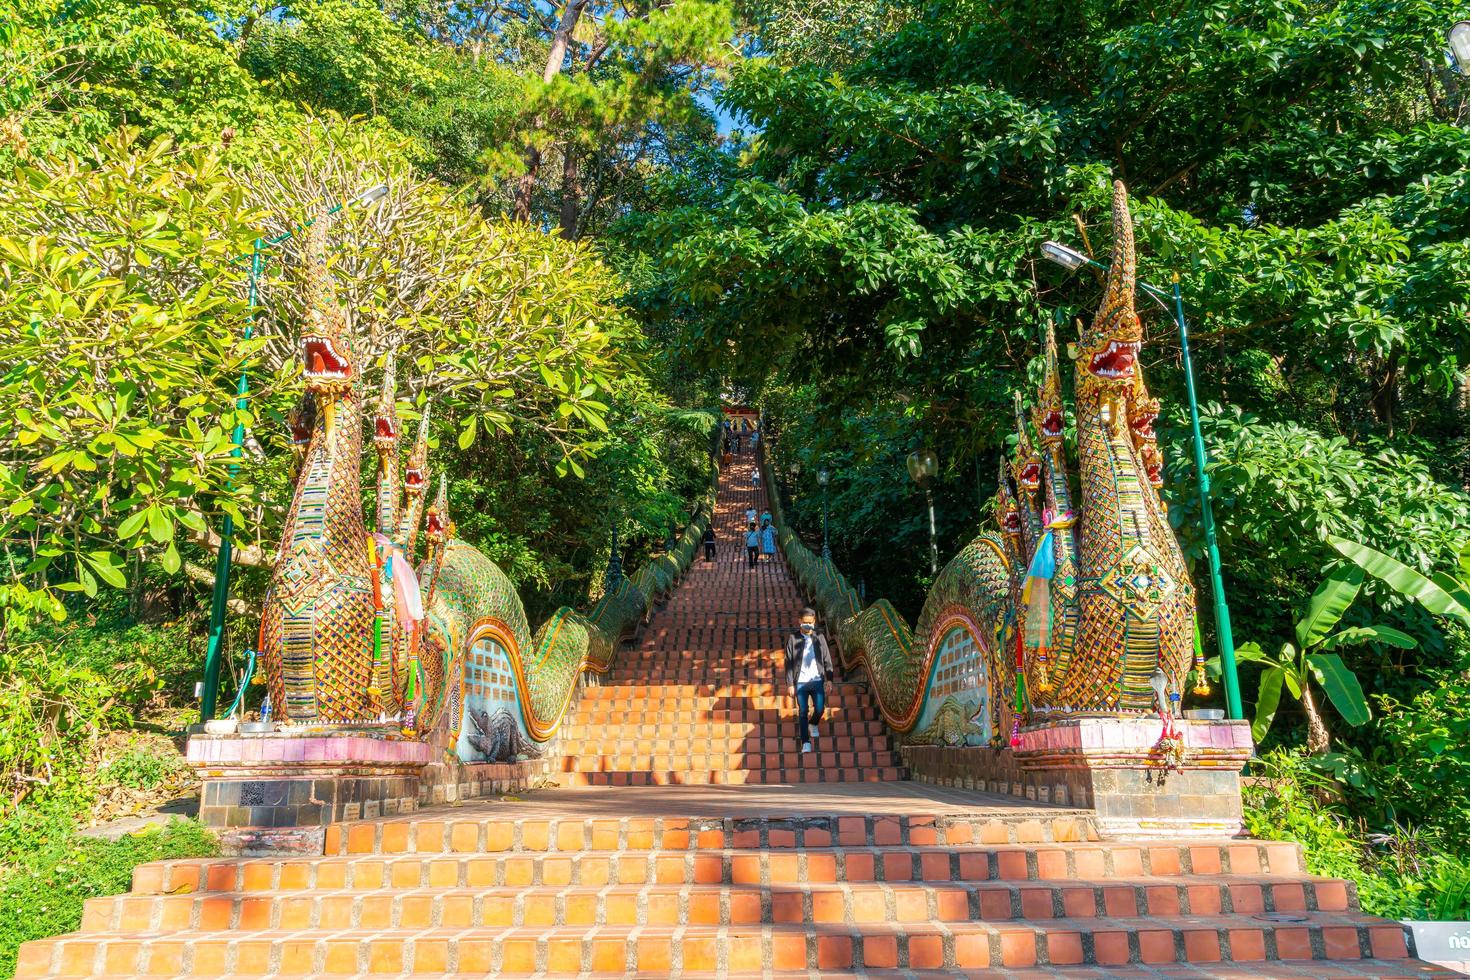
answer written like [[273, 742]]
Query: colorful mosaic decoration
[[354, 634], [1068, 607]]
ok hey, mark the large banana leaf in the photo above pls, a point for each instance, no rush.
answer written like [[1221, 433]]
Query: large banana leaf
[[1427, 593], [1328, 603], [1267, 700], [1354, 635], [1342, 687]]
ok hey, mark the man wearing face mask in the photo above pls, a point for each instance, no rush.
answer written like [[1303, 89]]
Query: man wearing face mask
[[808, 668]]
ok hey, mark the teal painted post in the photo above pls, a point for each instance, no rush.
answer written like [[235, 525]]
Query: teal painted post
[[1207, 518], [214, 652]]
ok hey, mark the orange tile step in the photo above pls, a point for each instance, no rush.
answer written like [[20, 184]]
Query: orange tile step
[[574, 949], [1082, 861], [713, 904]]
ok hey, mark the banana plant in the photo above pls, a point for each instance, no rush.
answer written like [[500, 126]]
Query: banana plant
[[1313, 660], [1441, 594]]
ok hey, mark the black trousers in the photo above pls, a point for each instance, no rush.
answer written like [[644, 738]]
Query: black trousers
[[751, 552], [709, 551]]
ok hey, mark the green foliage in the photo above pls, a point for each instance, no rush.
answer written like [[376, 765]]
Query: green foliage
[[41, 893], [1399, 874]]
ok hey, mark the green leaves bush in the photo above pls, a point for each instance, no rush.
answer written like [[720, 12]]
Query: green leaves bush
[[41, 894]]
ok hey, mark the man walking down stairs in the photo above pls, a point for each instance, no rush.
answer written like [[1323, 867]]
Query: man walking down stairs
[[691, 837]]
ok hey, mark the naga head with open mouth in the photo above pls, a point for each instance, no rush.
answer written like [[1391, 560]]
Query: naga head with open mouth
[[300, 421], [1027, 466], [1153, 464], [1049, 415], [328, 360], [416, 472], [436, 523], [385, 414], [1107, 352], [1007, 514], [1143, 412]]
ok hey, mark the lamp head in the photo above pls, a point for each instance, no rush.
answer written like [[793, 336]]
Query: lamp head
[[823, 476], [370, 195], [923, 466], [1460, 46], [1065, 256]]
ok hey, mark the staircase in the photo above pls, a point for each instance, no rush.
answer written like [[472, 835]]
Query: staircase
[[702, 699], [824, 864]]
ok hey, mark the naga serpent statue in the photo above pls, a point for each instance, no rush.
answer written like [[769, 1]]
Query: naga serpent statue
[[1076, 606], [353, 633]]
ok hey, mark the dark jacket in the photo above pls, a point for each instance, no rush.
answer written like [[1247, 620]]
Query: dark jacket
[[793, 656]]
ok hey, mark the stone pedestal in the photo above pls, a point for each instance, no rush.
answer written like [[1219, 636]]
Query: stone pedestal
[[1115, 767], [281, 779]]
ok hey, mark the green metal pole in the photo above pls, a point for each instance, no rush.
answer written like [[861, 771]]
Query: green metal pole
[[1207, 517], [215, 650]]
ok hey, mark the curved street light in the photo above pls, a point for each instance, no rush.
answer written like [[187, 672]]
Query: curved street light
[[923, 468], [824, 477], [1460, 46]]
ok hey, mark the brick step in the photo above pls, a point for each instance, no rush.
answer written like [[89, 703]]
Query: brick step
[[1062, 862], [771, 721], [577, 730], [431, 835], [705, 694], [618, 742], [575, 949], [730, 777], [669, 759], [677, 904]]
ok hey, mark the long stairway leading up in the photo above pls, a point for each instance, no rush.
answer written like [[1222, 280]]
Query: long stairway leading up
[[702, 700], [837, 866]]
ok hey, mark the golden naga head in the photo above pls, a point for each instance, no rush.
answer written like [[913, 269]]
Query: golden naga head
[[437, 525], [416, 473], [300, 421], [1007, 515], [328, 360], [1049, 415], [1107, 352], [385, 415], [1143, 412], [1026, 469]]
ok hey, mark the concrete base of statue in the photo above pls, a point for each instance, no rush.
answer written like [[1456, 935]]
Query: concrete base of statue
[[275, 792], [1114, 766], [291, 779]]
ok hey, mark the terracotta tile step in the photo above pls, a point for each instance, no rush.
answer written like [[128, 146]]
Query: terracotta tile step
[[680, 904], [832, 729], [612, 949], [669, 758], [1059, 862], [701, 693], [730, 777], [489, 834], [684, 746], [780, 720]]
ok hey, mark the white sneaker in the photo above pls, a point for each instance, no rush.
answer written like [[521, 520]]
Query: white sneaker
[[806, 748]]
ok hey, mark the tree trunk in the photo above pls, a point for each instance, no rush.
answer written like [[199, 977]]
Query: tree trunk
[[571, 192], [560, 41], [1317, 738]]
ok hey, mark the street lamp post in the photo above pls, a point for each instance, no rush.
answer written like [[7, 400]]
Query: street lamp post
[[209, 695], [823, 478], [923, 467], [1172, 303]]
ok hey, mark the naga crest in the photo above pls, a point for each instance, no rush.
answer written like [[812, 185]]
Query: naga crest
[[385, 414], [1027, 468], [328, 358], [1107, 352], [1050, 413]]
